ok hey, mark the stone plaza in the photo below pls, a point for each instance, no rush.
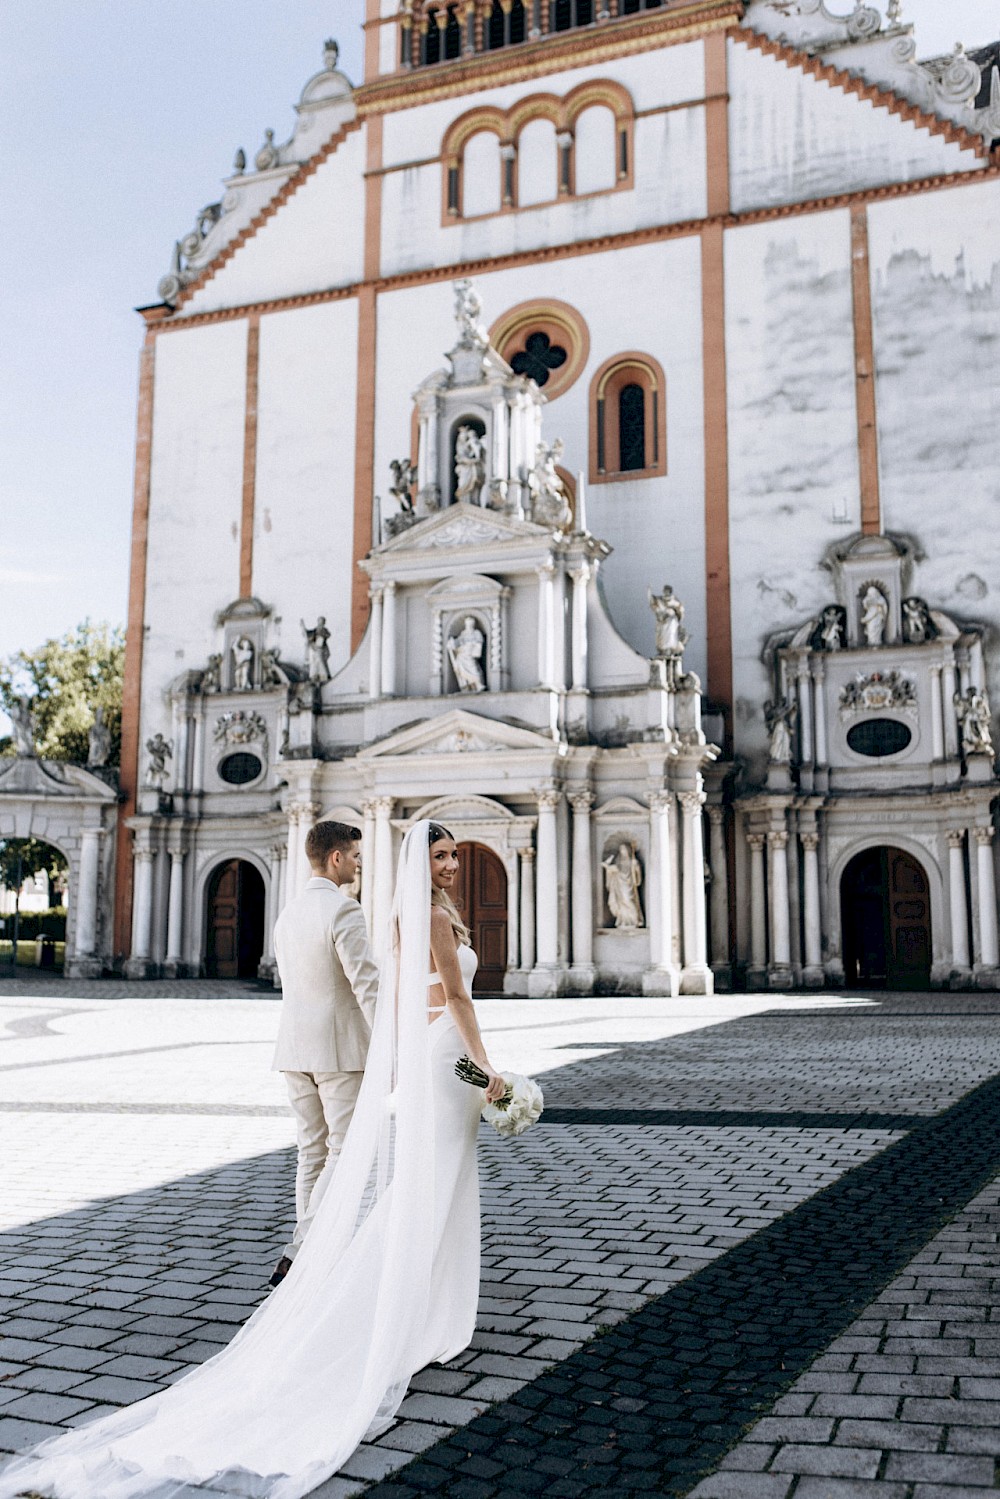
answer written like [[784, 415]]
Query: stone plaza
[[749, 1251]]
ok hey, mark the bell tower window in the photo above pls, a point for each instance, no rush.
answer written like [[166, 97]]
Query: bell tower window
[[628, 420]]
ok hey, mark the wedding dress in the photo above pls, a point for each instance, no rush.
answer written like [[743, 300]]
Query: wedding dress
[[386, 1282]]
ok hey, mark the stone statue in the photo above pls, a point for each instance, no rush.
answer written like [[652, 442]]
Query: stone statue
[[468, 310], [211, 677], [780, 718], [404, 475], [977, 721], [917, 626], [272, 673], [668, 611], [160, 750], [465, 652], [874, 615], [622, 878], [470, 465], [267, 156], [549, 503], [99, 747], [242, 652], [22, 721], [831, 628], [318, 649]]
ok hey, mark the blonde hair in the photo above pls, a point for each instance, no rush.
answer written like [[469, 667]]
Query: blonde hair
[[443, 899]]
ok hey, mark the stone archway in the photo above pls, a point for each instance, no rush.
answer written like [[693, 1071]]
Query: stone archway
[[885, 906], [234, 920], [482, 896]]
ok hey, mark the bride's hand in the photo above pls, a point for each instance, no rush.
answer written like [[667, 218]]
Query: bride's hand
[[496, 1088]]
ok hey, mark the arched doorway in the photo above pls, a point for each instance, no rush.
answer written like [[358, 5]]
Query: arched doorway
[[886, 911], [234, 939], [482, 899]]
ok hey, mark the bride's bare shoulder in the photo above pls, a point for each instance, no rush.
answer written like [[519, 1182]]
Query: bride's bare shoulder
[[441, 924]]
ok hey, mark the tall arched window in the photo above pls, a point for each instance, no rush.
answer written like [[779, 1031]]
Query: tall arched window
[[481, 175], [537, 164], [628, 435]]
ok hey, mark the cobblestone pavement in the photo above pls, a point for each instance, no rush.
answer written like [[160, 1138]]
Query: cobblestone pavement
[[754, 1239]]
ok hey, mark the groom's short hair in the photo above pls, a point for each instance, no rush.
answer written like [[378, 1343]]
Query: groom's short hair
[[324, 838]]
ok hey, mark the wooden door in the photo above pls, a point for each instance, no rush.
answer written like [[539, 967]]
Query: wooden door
[[482, 898], [235, 930], [887, 921], [909, 921]]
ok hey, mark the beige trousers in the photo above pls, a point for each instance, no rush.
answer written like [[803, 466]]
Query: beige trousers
[[323, 1103]]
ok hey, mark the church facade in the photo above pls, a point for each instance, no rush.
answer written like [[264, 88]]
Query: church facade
[[584, 431]]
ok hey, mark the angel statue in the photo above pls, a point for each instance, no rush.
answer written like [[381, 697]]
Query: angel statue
[[22, 721], [780, 718], [468, 311], [160, 750], [404, 475], [549, 503], [976, 719], [465, 652], [622, 878], [470, 465]]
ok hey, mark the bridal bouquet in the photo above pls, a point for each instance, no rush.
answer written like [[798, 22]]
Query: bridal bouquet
[[518, 1109]]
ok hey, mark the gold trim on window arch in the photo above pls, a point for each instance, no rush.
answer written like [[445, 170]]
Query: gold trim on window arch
[[630, 368], [507, 126], [563, 325]]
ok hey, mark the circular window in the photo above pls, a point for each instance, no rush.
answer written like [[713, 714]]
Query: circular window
[[547, 340], [878, 737], [240, 768]]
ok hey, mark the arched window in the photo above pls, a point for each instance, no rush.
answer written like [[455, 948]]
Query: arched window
[[452, 34], [505, 28], [481, 175], [546, 340], [628, 419], [595, 145], [537, 164]]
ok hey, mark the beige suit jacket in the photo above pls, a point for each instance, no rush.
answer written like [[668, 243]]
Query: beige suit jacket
[[329, 982]]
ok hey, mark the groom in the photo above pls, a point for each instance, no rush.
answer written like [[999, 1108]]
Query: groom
[[329, 986]]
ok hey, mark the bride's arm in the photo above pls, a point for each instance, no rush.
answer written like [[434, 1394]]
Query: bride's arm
[[446, 964]]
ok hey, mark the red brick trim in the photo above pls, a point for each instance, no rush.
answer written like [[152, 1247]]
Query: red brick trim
[[957, 135], [364, 460], [864, 374], [249, 457], [132, 689]]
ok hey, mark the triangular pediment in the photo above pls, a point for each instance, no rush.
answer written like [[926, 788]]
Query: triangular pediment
[[462, 525], [30, 777], [457, 733]]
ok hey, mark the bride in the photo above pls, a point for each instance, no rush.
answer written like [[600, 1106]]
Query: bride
[[386, 1282]]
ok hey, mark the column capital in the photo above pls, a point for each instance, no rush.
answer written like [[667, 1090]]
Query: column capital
[[716, 816], [303, 811], [580, 572], [692, 802], [368, 807], [142, 855], [547, 568], [526, 855], [375, 592], [810, 842], [383, 805], [935, 669], [956, 839], [548, 798], [660, 801], [756, 842], [778, 840], [581, 801], [984, 836], [818, 670]]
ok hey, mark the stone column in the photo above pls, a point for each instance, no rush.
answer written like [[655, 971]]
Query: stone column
[[139, 964], [948, 685], [937, 715], [375, 652], [545, 978], [545, 623], [758, 908], [368, 860], [780, 972], [582, 892], [663, 976], [719, 863], [581, 577], [85, 895], [527, 922], [805, 714], [989, 949], [198, 757], [813, 974], [273, 900], [175, 915], [382, 887], [513, 867], [301, 816], [389, 640], [957, 902], [819, 716], [696, 976]]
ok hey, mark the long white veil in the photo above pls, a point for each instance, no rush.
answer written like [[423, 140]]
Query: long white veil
[[326, 1360]]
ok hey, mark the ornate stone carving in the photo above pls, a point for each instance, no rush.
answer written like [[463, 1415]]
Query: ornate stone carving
[[984, 837], [955, 839], [242, 654], [548, 798], [211, 677], [404, 476], [810, 842], [272, 673], [874, 615], [918, 627], [973, 709], [160, 750], [22, 720], [468, 312], [778, 841], [465, 652], [470, 465], [99, 742], [581, 802], [462, 532], [622, 881], [668, 612], [239, 727], [780, 719], [317, 649], [755, 843], [660, 801], [267, 156], [878, 690], [549, 503], [832, 630]]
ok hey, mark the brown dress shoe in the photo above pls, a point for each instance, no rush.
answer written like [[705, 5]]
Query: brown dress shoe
[[281, 1269]]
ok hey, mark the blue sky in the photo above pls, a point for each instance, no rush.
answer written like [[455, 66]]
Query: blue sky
[[120, 119]]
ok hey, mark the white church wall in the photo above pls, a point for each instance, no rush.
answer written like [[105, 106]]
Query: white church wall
[[793, 440], [656, 526], [316, 239], [305, 472], [936, 308], [793, 137], [195, 501]]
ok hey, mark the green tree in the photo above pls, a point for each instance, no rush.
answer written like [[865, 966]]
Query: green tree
[[68, 679], [28, 857]]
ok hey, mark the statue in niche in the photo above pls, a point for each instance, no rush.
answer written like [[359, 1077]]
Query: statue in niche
[[317, 649], [549, 502], [622, 878], [973, 709], [465, 652], [22, 721], [99, 742], [780, 719], [917, 625], [831, 628], [668, 612], [211, 677], [160, 750], [468, 312], [242, 652], [874, 615], [470, 465]]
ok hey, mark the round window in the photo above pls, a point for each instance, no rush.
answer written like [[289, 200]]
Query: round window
[[878, 737], [240, 768]]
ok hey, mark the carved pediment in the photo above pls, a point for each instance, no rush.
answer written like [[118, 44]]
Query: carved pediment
[[461, 525], [459, 732], [29, 777]]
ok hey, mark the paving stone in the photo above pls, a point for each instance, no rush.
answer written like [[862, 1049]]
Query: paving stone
[[46, 1407], [943, 1467], [828, 1462]]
